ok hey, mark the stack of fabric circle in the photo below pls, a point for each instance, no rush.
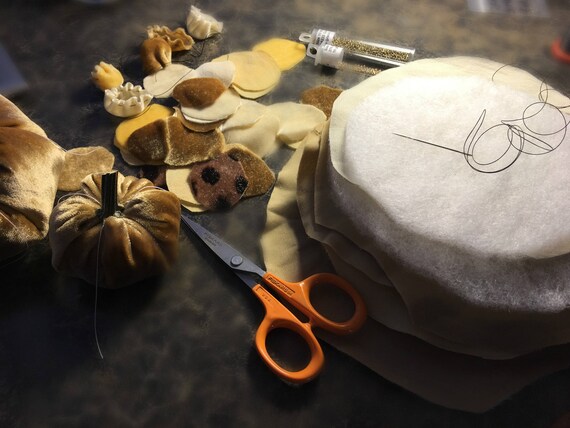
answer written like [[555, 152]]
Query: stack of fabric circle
[[439, 190]]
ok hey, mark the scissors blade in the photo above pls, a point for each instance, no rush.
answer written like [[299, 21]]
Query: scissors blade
[[241, 265]]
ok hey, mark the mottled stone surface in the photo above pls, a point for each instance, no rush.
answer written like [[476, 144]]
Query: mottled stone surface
[[178, 349]]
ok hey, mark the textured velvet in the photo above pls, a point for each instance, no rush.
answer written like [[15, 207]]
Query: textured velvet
[[30, 165], [260, 177], [82, 161], [168, 141], [139, 241]]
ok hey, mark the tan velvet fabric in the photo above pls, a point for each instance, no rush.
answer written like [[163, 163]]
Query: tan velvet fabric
[[139, 241], [447, 378], [12, 117], [30, 165], [156, 53], [199, 92], [168, 141], [322, 97], [82, 161]]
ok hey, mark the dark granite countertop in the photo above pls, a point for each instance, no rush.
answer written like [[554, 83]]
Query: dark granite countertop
[[178, 350]]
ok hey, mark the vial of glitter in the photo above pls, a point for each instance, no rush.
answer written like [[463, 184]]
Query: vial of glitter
[[397, 55], [340, 59]]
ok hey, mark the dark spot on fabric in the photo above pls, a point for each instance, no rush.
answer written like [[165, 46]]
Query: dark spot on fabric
[[210, 175], [233, 156], [241, 184], [222, 203]]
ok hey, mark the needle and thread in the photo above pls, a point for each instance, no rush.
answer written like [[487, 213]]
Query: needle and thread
[[516, 136]]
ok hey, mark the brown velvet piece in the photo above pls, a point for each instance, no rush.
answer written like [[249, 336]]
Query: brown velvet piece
[[321, 97], [218, 184], [178, 39], [155, 54], [30, 165], [260, 177], [198, 92], [139, 241], [168, 141]]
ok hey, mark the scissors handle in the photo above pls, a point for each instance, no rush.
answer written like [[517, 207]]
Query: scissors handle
[[278, 316], [299, 295]]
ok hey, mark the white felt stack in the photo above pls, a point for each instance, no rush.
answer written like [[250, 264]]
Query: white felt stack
[[440, 191], [452, 175]]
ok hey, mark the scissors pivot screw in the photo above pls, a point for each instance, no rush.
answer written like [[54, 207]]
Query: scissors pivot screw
[[236, 261]]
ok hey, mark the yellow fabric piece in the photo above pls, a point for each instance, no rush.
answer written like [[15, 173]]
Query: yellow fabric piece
[[286, 53], [106, 76], [127, 127]]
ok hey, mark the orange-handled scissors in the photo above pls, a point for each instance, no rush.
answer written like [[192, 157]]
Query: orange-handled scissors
[[276, 314]]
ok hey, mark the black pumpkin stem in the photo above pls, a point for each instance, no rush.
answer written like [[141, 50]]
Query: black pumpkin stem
[[109, 194]]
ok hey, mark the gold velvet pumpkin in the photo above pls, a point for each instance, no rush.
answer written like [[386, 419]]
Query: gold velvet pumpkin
[[138, 240], [30, 165]]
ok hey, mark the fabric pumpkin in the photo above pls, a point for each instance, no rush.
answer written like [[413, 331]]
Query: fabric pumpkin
[[138, 241], [30, 165]]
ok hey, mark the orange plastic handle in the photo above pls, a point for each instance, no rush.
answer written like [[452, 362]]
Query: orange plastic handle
[[278, 316], [298, 294]]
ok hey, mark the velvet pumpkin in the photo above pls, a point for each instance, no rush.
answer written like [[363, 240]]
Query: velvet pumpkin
[[30, 165], [139, 238]]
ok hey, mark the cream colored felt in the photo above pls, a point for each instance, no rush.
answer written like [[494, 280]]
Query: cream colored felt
[[253, 95], [222, 70], [255, 71], [162, 83], [296, 120], [126, 100], [224, 106], [446, 378], [177, 182], [384, 303], [313, 197], [506, 305], [259, 136], [248, 113], [286, 53], [202, 25]]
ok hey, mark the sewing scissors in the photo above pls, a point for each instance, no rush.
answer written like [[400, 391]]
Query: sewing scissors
[[276, 314]]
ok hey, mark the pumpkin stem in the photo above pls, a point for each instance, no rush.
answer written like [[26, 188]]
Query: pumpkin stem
[[109, 194]]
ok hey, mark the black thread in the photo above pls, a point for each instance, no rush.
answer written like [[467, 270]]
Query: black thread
[[521, 136]]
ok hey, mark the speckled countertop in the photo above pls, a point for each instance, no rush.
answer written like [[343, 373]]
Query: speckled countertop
[[178, 350]]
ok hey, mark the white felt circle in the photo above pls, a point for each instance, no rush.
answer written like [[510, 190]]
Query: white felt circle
[[162, 83], [451, 158]]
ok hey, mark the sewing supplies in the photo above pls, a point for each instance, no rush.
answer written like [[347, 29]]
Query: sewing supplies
[[277, 316], [331, 50]]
